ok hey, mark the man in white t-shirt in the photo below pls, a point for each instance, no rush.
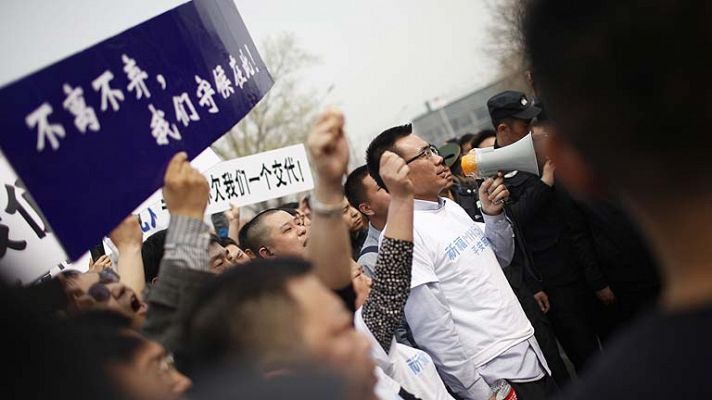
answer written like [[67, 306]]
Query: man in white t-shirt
[[461, 309]]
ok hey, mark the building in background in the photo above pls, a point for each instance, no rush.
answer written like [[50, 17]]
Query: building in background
[[467, 114]]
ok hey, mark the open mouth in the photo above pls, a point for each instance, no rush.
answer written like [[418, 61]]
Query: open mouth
[[135, 303]]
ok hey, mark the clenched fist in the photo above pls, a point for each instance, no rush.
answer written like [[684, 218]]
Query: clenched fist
[[394, 173], [185, 190], [328, 148]]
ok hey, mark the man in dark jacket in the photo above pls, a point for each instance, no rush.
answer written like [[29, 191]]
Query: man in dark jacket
[[621, 261], [541, 210]]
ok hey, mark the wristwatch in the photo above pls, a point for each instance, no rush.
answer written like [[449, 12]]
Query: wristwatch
[[325, 210]]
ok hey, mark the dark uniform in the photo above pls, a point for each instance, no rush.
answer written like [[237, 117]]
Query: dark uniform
[[620, 259], [543, 215]]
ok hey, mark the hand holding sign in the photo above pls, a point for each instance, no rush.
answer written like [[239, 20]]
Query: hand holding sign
[[100, 264], [328, 148], [185, 189]]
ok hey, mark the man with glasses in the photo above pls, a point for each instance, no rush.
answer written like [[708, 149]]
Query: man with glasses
[[461, 309]]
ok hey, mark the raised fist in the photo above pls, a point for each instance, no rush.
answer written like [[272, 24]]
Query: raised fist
[[327, 147], [185, 190], [394, 173]]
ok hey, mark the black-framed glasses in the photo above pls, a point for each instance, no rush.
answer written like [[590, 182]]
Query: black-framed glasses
[[426, 152]]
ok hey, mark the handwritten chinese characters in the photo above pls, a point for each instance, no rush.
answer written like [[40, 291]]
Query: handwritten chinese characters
[[109, 91], [233, 184]]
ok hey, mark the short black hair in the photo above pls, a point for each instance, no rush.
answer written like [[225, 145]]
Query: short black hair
[[505, 120], [291, 211], [481, 136], [293, 205], [64, 354], [152, 254], [354, 189], [214, 239], [226, 241], [245, 315], [107, 329], [385, 141], [253, 234], [618, 76], [466, 138]]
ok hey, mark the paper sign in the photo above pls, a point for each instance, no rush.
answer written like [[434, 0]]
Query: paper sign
[[259, 177], [243, 181], [91, 135], [28, 248]]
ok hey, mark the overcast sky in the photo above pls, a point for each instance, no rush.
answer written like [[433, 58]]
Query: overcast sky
[[385, 58]]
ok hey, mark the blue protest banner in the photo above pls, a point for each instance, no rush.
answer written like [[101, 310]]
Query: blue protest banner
[[94, 131]]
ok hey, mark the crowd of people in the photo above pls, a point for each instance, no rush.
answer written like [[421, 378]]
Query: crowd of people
[[406, 279]]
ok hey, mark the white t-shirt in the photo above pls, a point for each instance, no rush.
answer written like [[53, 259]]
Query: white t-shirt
[[413, 369], [386, 388], [452, 251]]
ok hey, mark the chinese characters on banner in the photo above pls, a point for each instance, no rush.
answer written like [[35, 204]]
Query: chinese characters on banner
[[95, 131], [259, 177], [28, 248], [244, 181]]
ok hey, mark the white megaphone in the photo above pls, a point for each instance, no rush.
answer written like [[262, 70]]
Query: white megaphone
[[483, 163]]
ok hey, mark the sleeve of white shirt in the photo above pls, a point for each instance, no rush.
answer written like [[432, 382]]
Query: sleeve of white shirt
[[433, 329], [498, 232]]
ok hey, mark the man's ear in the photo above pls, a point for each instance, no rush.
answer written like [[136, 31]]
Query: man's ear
[[250, 254], [366, 209], [264, 252], [502, 133], [573, 169]]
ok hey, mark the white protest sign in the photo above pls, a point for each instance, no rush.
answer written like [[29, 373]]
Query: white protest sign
[[202, 162], [152, 213], [241, 181], [28, 248], [259, 177]]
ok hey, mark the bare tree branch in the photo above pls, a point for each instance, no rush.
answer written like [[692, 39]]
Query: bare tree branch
[[282, 117], [506, 41]]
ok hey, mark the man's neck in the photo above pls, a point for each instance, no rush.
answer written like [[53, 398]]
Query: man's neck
[[377, 223], [681, 235]]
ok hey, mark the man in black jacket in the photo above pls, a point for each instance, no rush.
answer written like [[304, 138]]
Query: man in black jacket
[[631, 103], [550, 268], [621, 261]]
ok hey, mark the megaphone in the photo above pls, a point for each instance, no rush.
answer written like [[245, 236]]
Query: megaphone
[[483, 163]]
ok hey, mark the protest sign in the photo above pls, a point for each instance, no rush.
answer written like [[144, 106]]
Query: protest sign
[[259, 177], [37, 253], [243, 181], [152, 213], [28, 248], [94, 132]]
